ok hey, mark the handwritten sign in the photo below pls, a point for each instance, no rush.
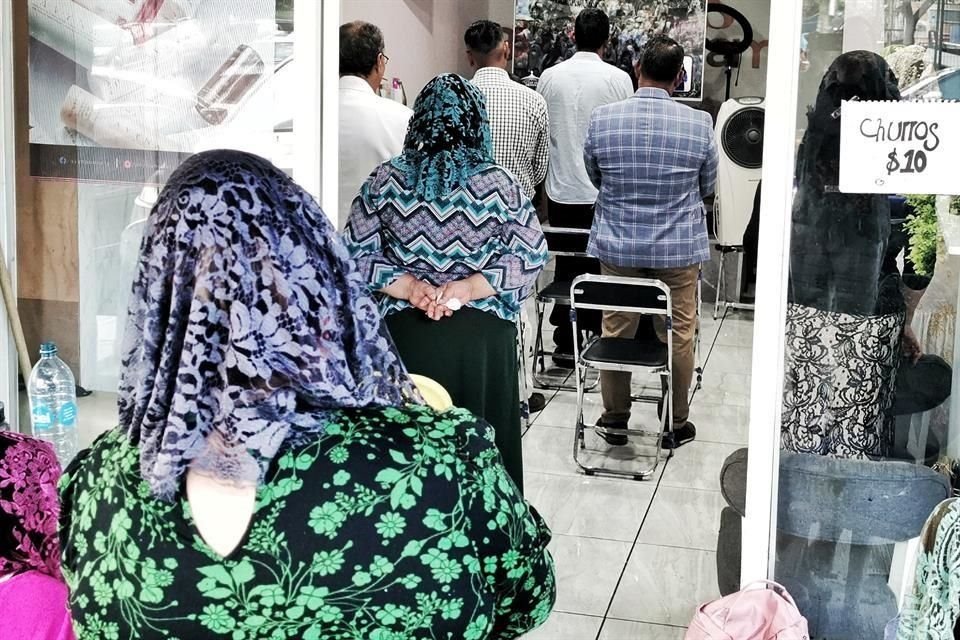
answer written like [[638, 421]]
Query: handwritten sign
[[900, 147]]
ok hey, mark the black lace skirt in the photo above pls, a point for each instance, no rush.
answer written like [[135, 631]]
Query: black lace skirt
[[840, 372]]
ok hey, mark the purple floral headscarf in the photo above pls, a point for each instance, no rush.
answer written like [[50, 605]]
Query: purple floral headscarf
[[248, 326], [29, 506]]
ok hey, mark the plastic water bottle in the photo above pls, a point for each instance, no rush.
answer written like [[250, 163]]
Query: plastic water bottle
[[53, 403]]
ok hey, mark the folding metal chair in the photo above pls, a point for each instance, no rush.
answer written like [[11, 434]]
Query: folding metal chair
[[561, 241], [633, 295]]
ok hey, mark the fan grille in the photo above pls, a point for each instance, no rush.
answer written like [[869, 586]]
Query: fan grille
[[742, 137]]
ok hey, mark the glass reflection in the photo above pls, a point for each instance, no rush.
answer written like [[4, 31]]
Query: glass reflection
[[869, 337]]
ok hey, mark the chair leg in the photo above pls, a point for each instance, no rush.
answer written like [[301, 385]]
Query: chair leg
[[522, 372], [716, 304], [539, 364]]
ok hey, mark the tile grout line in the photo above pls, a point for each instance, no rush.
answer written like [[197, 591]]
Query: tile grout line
[[646, 513], [626, 563]]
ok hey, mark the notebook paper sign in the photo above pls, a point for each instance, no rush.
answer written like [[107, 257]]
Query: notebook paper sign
[[900, 147]]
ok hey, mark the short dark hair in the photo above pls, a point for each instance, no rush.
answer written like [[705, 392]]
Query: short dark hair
[[592, 29], [361, 44], [483, 36], [662, 59]]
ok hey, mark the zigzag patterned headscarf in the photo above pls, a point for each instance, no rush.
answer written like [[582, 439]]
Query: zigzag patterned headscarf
[[448, 139], [248, 326]]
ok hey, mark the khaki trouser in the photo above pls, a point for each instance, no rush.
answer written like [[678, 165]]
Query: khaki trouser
[[615, 385]]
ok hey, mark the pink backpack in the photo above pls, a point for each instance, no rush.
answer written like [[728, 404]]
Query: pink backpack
[[762, 610]]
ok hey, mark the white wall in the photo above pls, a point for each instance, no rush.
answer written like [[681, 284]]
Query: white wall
[[425, 37], [753, 72]]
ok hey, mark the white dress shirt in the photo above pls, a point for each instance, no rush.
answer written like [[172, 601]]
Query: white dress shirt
[[518, 123], [372, 130], [573, 89]]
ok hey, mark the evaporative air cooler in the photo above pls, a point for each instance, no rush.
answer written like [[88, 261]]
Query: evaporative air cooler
[[739, 134]]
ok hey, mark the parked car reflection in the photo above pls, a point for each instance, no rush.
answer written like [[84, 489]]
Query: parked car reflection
[[945, 85]]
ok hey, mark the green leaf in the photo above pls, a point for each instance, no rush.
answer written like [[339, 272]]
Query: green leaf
[[218, 573], [151, 595], [416, 485], [388, 476], [412, 549], [243, 572], [398, 457], [295, 613], [206, 585], [254, 621], [123, 588], [220, 593], [398, 493]]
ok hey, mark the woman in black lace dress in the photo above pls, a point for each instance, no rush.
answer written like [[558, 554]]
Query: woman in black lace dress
[[847, 301]]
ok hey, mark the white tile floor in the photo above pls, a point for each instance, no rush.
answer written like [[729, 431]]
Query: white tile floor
[[634, 559]]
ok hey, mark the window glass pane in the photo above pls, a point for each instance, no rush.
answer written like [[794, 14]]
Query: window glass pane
[[120, 93], [870, 330]]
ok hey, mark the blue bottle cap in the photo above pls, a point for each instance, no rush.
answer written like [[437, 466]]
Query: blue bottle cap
[[48, 349]]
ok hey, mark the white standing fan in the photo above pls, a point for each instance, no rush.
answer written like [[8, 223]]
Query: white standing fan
[[739, 133]]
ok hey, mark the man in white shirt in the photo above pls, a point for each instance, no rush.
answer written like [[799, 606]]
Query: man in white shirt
[[573, 89], [372, 128], [518, 124]]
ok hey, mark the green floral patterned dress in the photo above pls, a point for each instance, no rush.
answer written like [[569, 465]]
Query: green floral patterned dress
[[399, 524]]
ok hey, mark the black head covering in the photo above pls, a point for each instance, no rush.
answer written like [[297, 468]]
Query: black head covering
[[860, 75]]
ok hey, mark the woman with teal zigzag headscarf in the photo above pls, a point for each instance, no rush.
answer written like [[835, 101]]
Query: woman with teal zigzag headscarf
[[453, 245]]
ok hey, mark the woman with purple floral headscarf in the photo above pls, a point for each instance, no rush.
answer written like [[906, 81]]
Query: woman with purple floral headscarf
[[33, 598], [274, 474]]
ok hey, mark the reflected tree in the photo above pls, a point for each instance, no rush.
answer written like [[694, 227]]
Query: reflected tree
[[911, 12]]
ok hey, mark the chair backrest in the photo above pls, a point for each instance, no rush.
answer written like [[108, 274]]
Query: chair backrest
[[614, 293], [855, 501], [566, 241]]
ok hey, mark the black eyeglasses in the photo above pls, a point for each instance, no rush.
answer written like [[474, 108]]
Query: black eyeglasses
[[386, 58]]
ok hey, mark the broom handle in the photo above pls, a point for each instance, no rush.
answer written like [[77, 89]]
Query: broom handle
[[9, 300]]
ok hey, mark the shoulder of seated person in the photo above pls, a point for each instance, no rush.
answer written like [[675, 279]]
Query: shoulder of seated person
[[458, 426], [41, 585], [109, 440]]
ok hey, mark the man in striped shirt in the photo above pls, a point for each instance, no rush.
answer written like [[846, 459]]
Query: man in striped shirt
[[518, 124]]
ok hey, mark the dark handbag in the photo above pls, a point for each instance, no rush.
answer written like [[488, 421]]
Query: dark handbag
[[922, 386]]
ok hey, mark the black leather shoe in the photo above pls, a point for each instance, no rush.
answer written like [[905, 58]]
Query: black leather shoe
[[679, 436], [536, 402], [615, 439]]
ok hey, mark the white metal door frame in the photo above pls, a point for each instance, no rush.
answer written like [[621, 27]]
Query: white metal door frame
[[317, 53], [8, 210], [766, 393]]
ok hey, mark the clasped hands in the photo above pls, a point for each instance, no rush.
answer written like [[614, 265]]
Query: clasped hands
[[436, 301]]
